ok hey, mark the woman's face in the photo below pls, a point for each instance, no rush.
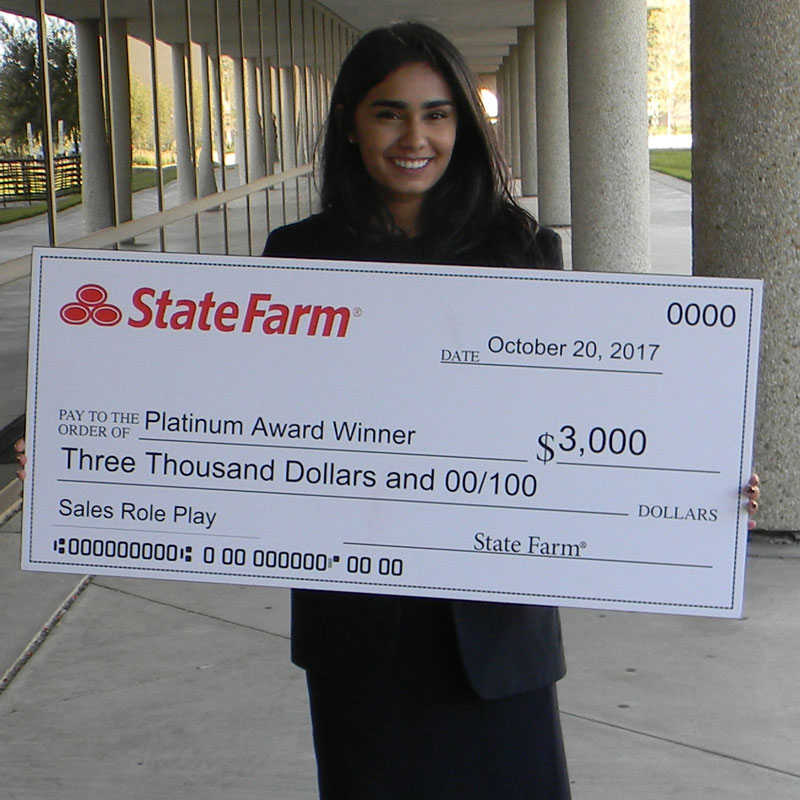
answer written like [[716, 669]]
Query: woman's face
[[405, 128]]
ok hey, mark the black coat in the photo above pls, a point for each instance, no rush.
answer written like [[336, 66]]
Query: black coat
[[505, 648]]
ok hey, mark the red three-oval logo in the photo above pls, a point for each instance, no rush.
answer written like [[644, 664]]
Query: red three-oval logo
[[90, 304]]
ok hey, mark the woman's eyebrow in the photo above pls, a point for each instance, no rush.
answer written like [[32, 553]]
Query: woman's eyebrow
[[402, 104]]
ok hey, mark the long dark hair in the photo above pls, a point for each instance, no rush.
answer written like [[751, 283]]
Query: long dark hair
[[471, 197]]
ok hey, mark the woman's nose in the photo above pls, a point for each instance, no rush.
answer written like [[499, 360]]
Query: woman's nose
[[413, 135]]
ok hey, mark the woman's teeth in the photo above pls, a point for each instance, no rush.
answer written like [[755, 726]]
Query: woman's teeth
[[417, 163]]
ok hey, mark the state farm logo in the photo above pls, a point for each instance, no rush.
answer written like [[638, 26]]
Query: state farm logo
[[160, 309], [90, 304]]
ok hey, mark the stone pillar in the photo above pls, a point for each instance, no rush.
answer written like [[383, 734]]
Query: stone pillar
[[300, 115], [513, 79], [508, 115], [95, 157], [270, 133], [609, 168], [504, 113], [552, 112], [206, 181], [275, 83], [255, 137], [312, 87], [527, 112], [121, 116], [183, 147], [287, 119], [746, 206], [241, 119]]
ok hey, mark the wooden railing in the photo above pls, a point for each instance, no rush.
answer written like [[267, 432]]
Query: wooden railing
[[26, 178]]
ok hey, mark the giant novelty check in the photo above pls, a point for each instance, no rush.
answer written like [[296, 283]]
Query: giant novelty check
[[577, 439]]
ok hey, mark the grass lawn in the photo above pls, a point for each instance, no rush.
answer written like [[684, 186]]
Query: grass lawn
[[34, 209], [143, 178], [672, 162]]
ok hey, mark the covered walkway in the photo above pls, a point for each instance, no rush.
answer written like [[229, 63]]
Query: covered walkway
[[152, 689]]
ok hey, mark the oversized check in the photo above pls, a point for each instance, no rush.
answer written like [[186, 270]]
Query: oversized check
[[577, 439]]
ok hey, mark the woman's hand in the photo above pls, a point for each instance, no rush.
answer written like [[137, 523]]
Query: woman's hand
[[19, 446], [752, 491]]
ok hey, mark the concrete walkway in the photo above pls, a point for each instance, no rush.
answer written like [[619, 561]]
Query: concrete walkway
[[161, 689]]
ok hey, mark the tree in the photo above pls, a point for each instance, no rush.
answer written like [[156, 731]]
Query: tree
[[142, 133], [20, 87], [669, 61]]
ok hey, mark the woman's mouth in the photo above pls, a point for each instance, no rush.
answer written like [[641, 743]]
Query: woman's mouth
[[411, 163]]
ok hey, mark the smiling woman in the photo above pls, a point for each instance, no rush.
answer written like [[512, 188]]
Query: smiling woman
[[405, 129], [421, 697]]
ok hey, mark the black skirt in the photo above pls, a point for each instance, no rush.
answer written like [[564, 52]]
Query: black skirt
[[415, 729]]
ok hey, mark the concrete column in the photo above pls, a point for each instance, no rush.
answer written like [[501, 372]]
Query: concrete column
[[746, 206], [206, 181], [513, 79], [287, 120], [183, 147], [528, 166], [241, 119], [607, 46], [300, 115], [95, 157], [552, 112], [255, 137], [508, 115], [269, 121], [275, 82], [312, 85], [121, 116], [503, 112]]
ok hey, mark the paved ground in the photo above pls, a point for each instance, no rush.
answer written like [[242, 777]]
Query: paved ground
[[159, 689]]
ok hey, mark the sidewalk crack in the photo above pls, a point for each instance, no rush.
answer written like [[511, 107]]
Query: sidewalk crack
[[696, 748], [190, 610]]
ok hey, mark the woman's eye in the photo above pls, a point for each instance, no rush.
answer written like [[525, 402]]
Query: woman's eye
[[387, 114]]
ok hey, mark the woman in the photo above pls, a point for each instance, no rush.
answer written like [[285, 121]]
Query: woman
[[421, 698]]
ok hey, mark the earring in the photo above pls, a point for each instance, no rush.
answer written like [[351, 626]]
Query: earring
[[352, 139]]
